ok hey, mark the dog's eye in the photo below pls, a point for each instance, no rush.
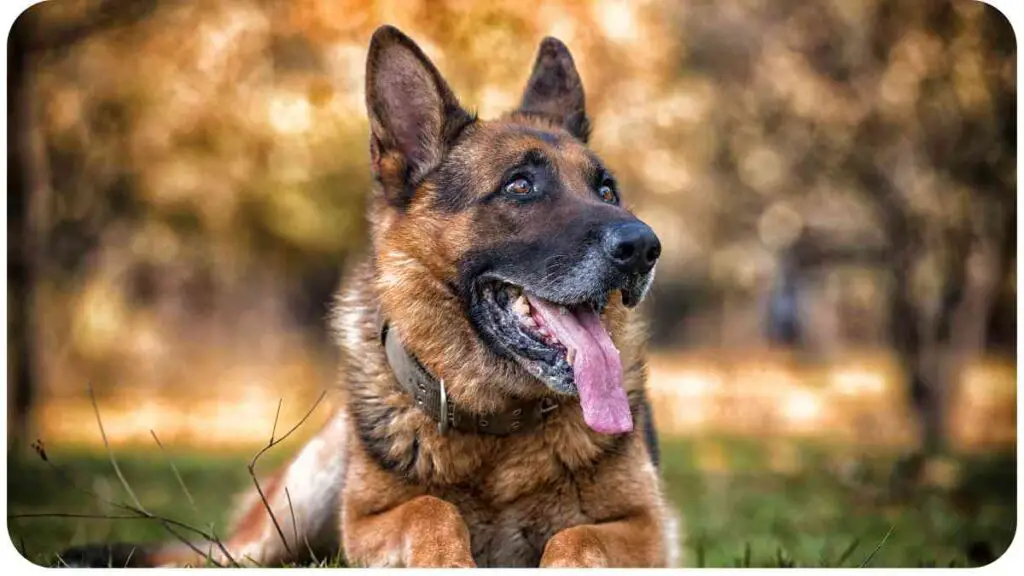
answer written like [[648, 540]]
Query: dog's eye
[[519, 187], [607, 193]]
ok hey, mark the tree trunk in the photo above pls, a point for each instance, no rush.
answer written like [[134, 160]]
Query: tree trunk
[[28, 197]]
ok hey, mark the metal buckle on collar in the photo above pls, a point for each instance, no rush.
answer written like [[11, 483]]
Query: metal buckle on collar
[[442, 425]]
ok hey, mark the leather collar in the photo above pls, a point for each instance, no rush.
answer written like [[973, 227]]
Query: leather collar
[[432, 398]]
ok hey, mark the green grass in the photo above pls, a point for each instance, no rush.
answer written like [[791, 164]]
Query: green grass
[[814, 518], [745, 515]]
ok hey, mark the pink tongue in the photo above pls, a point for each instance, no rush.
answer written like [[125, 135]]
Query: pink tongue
[[596, 367]]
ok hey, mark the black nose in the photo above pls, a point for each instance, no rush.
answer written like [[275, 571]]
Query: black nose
[[632, 247]]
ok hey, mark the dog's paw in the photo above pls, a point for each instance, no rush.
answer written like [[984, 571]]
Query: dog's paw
[[437, 535], [440, 557], [576, 547]]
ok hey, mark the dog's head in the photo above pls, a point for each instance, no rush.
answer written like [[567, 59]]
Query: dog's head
[[505, 238]]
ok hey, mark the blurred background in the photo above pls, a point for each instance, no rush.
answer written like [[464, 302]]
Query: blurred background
[[834, 182]]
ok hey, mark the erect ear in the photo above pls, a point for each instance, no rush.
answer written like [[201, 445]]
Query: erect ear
[[555, 89], [413, 113]]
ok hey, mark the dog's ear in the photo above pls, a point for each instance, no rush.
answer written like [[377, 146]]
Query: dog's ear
[[413, 112], [555, 89]]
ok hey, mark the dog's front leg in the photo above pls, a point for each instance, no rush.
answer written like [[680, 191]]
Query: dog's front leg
[[632, 542], [425, 532]]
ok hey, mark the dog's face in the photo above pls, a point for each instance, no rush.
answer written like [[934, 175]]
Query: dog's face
[[514, 221]]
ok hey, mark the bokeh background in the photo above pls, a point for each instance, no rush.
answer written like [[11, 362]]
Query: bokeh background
[[834, 182]]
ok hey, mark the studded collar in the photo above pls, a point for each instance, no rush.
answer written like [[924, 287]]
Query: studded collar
[[432, 398]]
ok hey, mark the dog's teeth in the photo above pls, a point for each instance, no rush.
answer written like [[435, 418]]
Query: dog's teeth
[[563, 310], [570, 356], [521, 306], [529, 321]]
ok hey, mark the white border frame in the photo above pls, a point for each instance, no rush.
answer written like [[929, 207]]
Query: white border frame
[[12, 562]]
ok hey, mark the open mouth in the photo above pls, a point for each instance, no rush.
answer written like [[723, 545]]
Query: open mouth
[[565, 346]]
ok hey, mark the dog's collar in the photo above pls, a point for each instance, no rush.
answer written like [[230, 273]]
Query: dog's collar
[[432, 398]]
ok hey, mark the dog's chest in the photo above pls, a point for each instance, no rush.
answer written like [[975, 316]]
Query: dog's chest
[[526, 497]]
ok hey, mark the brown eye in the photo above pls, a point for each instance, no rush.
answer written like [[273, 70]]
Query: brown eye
[[519, 187], [607, 193]]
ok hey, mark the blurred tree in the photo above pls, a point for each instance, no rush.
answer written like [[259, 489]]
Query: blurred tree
[[889, 127], [964, 132], [35, 36]]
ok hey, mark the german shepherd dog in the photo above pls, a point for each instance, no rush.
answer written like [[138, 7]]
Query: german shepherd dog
[[492, 363]]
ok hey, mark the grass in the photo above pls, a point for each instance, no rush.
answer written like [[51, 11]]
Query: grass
[[737, 510], [746, 515]]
